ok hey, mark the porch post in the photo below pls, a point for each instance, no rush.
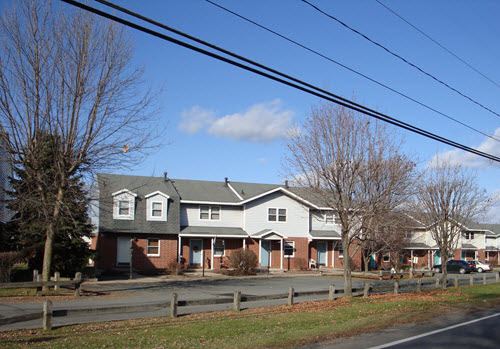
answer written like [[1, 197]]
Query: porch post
[[212, 254], [282, 255], [244, 244], [411, 256], [260, 249], [179, 244], [429, 259]]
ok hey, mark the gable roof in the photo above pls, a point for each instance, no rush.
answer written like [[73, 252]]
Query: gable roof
[[204, 191]]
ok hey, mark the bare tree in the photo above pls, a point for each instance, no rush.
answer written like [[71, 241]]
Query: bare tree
[[448, 198], [67, 74], [355, 165]]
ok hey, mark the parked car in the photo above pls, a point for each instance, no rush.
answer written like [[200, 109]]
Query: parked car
[[480, 266], [455, 265]]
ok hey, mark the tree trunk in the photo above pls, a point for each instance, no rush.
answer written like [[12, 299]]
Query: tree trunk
[[49, 240], [366, 259], [444, 259]]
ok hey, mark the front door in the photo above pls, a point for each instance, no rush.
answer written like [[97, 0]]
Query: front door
[[322, 248], [195, 252], [265, 253], [437, 258], [123, 250]]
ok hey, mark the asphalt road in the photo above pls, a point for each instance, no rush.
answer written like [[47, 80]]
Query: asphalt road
[[455, 330], [144, 293]]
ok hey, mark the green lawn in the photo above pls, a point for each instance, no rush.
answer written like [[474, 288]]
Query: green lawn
[[280, 326]]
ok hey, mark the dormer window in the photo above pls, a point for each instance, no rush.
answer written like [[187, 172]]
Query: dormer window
[[124, 208], [124, 205], [157, 206]]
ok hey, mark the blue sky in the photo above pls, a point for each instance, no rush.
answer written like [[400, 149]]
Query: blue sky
[[225, 122]]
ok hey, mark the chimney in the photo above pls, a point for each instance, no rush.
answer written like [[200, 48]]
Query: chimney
[[165, 177], [286, 183], [226, 180]]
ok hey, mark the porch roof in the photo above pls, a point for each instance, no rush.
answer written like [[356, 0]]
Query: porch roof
[[418, 246], [469, 247], [223, 232], [324, 235], [492, 248], [269, 234]]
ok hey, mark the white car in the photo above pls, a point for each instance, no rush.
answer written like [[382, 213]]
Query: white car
[[480, 266]]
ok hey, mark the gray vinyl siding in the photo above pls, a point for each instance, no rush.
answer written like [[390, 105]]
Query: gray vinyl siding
[[230, 216], [317, 221], [297, 216]]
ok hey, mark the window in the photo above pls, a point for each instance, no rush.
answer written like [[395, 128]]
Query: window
[[408, 234], [341, 250], [123, 207], [156, 209], [289, 249], [219, 248], [153, 247], [468, 235], [329, 217], [210, 213], [386, 258], [276, 215]]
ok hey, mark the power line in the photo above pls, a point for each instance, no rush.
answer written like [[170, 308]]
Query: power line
[[400, 57], [314, 91], [352, 70], [437, 43]]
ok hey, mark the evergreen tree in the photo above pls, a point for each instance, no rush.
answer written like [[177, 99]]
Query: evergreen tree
[[28, 228]]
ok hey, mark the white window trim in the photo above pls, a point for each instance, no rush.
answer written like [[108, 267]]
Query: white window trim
[[209, 213], [161, 217], [124, 195], [339, 248], [277, 215], [388, 255], [469, 235], [128, 215], [223, 244], [326, 217], [147, 248], [293, 249]]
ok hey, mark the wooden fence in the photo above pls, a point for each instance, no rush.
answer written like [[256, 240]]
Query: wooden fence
[[416, 285], [39, 284]]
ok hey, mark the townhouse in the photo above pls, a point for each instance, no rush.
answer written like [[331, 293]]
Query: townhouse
[[152, 222]]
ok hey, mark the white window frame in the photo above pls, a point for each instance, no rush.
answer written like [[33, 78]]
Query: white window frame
[[148, 246], [223, 246], [341, 250], [120, 208], [388, 256], [153, 209], [277, 214], [408, 234], [469, 235], [293, 249], [210, 213], [329, 217]]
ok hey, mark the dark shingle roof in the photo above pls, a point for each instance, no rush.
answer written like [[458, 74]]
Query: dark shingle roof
[[214, 231], [325, 234], [191, 190], [141, 186]]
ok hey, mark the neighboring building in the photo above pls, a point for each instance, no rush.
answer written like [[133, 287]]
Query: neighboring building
[[202, 222], [5, 186]]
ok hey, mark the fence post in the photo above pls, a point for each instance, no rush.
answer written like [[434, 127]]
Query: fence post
[[484, 279], [57, 276], [35, 275], [396, 286], [471, 280], [381, 277], [237, 301], [411, 273], [78, 286], [456, 281], [331, 293], [39, 291], [367, 289], [498, 276], [419, 285], [437, 282], [291, 292], [47, 315], [173, 305]]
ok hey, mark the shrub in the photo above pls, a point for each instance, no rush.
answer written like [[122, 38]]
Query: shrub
[[301, 263], [7, 261], [243, 260], [175, 268]]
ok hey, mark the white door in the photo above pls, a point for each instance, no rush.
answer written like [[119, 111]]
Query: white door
[[123, 250]]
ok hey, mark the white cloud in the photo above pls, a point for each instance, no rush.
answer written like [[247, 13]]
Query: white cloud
[[194, 120], [493, 214], [262, 161], [261, 123], [467, 159]]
